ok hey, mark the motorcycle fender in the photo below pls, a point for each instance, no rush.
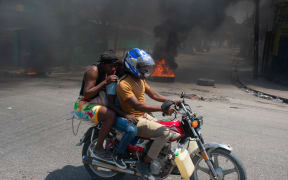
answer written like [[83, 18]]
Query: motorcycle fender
[[212, 146]]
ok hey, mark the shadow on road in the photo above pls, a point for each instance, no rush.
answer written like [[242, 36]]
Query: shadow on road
[[76, 173], [69, 172]]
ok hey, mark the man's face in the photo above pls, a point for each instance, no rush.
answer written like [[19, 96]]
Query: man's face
[[109, 69]]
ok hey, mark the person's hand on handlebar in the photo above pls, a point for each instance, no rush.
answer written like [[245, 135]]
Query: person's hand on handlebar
[[170, 111], [167, 108]]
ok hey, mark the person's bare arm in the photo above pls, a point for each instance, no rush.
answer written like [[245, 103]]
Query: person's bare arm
[[158, 97], [133, 101], [155, 95], [90, 90], [111, 104]]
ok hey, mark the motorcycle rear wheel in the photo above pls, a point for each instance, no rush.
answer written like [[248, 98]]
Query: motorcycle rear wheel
[[237, 172], [97, 172]]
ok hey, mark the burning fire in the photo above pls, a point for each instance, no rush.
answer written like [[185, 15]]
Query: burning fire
[[163, 70], [31, 73]]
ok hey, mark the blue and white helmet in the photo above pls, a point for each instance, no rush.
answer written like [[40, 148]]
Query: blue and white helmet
[[139, 62]]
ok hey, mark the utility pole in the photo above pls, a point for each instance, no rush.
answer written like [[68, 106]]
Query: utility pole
[[256, 39]]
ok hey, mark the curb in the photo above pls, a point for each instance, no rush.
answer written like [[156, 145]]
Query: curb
[[258, 93]]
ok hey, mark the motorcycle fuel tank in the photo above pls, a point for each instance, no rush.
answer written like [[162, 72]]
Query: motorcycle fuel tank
[[176, 129]]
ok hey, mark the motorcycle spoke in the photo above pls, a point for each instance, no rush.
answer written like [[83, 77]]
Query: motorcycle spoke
[[229, 171], [205, 170], [216, 162]]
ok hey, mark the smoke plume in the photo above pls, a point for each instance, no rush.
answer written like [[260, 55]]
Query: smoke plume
[[179, 18]]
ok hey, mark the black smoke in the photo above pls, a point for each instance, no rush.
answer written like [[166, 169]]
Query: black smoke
[[179, 18], [29, 30], [66, 33]]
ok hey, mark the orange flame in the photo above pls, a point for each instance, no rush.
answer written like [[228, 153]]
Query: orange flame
[[31, 73], [162, 69]]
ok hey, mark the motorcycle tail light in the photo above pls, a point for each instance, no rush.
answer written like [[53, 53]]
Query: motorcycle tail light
[[194, 124]]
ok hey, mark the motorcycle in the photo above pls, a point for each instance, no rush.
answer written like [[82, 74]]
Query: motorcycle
[[211, 160]]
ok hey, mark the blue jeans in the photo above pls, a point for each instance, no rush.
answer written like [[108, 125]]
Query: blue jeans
[[130, 130]]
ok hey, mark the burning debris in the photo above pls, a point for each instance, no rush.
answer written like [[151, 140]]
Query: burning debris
[[162, 72], [30, 71]]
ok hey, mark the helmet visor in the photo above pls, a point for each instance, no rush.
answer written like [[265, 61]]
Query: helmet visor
[[146, 71]]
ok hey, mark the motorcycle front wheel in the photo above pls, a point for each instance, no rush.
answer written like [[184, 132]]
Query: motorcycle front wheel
[[98, 172], [227, 166]]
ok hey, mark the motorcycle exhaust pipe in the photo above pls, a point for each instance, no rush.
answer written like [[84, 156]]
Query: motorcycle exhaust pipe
[[94, 162]]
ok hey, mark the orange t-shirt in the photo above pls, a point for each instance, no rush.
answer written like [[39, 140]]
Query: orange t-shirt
[[128, 87]]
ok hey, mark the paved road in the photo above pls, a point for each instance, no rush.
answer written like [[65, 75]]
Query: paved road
[[37, 140]]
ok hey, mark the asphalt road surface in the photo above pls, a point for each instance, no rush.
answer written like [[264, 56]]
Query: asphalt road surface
[[37, 140]]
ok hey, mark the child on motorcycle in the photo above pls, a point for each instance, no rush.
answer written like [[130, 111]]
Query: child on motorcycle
[[124, 122]]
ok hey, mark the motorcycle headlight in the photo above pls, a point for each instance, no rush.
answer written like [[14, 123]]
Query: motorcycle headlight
[[197, 122], [194, 124]]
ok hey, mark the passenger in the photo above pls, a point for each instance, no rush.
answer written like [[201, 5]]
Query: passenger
[[124, 122], [92, 102]]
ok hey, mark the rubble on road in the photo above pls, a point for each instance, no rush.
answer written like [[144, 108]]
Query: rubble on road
[[263, 95], [205, 82], [198, 97]]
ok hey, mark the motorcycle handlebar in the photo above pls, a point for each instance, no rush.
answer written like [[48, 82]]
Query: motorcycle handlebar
[[182, 105]]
